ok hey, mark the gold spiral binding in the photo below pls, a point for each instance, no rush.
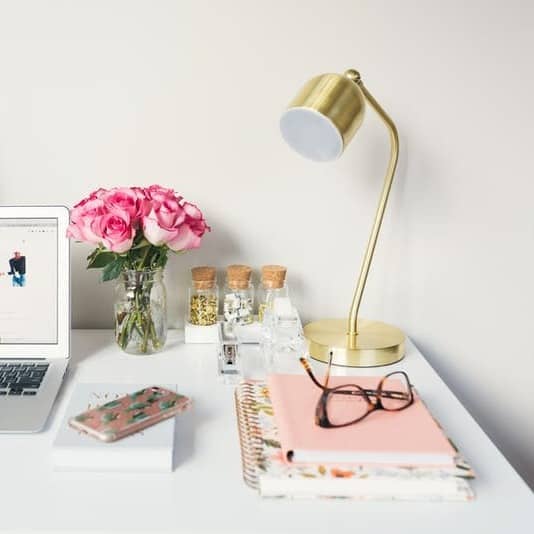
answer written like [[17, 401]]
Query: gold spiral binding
[[250, 434]]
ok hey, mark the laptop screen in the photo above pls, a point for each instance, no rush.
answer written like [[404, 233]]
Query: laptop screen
[[28, 281]]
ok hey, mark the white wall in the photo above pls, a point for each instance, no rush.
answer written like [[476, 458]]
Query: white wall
[[188, 93]]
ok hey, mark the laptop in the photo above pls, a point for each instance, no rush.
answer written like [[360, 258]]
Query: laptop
[[34, 313]]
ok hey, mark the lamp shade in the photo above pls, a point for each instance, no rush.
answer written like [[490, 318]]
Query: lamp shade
[[324, 116]]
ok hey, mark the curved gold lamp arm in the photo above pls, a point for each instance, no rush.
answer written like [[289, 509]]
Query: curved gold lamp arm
[[394, 154]]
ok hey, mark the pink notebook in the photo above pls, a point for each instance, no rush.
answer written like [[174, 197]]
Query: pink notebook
[[409, 437]]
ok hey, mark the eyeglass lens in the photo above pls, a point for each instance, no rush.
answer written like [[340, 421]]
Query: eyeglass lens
[[346, 404], [396, 393]]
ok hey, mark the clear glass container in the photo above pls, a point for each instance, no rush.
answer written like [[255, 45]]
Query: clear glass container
[[266, 296], [238, 304], [141, 311], [203, 306], [272, 286], [282, 341], [203, 297]]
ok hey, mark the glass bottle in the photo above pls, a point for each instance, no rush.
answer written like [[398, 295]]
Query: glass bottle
[[203, 297], [141, 311], [273, 285], [238, 305]]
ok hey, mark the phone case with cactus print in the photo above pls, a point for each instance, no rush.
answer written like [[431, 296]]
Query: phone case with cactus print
[[126, 415]]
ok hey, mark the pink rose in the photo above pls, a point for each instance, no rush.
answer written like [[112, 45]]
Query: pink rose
[[82, 217], [158, 193], [116, 231], [131, 200], [190, 232], [161, 225], [97, 193], [110, 218]]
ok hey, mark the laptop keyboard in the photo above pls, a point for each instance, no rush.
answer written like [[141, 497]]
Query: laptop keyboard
[[21, 378]]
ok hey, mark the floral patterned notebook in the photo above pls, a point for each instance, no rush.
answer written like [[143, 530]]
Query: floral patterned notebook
[[265, 469]]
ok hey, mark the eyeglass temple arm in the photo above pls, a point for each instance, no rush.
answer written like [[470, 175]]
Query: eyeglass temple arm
[[372, 392], [307, 368]]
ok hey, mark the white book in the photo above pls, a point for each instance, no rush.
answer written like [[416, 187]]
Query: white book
[[150, 450]]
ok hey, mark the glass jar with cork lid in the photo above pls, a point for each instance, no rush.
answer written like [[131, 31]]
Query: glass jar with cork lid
[[238, 306], [203, 296], [273, 285]]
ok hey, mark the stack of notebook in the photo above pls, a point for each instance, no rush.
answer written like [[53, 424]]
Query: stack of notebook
[[389, 455]]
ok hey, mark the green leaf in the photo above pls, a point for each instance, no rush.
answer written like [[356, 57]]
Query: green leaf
[[110, 404], [113, 270], [136, 394], [93, 254], [108, 417], [163, 260], [137, 406], [165, 405], [143, 243], [102, 259], [154, 397], [137, 417]]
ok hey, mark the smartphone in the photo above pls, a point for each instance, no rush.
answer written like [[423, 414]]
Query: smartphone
[[126, 415]]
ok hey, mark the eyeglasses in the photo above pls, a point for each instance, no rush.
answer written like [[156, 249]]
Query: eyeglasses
[[349, 403]]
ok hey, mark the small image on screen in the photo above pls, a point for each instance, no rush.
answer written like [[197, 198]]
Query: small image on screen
[[28, 281]]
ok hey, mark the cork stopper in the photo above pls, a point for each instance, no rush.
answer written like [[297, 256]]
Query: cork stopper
[[273, 276], [238, 276], [203, 277]]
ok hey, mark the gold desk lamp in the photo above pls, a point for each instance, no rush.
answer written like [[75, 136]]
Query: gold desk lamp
[[319, 123]]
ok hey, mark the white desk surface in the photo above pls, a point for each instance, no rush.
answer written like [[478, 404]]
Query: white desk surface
[[206, 493]]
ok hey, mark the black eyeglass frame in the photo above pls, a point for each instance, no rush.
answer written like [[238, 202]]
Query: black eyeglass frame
[[321, 411]]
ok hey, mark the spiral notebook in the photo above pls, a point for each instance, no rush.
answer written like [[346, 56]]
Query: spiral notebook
[[266, 470], [407, 437]]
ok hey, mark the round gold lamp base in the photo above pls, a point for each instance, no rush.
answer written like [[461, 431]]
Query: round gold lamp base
[[376, 343]]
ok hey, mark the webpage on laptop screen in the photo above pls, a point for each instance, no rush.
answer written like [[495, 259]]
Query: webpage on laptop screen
[[28, 281]]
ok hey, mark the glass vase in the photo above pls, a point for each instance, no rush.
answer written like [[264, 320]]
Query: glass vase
[[141, 311]]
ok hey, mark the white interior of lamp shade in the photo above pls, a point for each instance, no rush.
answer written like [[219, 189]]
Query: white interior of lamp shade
[[311, 134]]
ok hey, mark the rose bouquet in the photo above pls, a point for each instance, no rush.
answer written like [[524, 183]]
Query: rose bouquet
[[134, 229]]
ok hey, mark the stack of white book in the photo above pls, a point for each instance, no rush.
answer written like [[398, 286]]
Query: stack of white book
[[150, 450]]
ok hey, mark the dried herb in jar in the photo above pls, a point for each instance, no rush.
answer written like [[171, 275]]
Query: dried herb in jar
[[204, 297]]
